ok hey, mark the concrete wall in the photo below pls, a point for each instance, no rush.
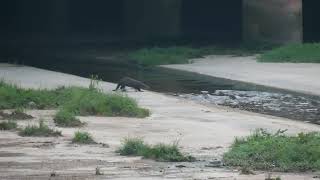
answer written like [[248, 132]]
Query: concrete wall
[[263, 20], [278, 21], [152, 18]]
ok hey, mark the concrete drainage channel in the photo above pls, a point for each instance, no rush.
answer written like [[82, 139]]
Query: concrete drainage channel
[[202, 88]]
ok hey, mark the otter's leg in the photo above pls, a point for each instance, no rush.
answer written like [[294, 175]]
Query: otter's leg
[[136, 89], [118, 86], [123, 87]]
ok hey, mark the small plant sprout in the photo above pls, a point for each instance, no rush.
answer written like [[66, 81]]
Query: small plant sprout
[[98, 171], [94, 83]]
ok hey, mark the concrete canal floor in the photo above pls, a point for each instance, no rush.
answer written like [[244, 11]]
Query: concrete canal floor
[[203, 131]]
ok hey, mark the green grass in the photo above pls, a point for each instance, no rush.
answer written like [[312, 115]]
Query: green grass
[[8, 125], [12, 96], [73, 100], [159, 152], [133, 146], [83, 138], [181, 54], [279, 152], [86, 102], [66, 119], [294, 53], [42, 130]]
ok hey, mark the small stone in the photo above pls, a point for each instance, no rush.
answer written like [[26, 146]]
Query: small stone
[[180, 166], [104, 145], [53, 174], [246, 171], [233, 97], [214, 163]]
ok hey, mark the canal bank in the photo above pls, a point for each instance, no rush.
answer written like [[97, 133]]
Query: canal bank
[[299, 77], [203, 131]]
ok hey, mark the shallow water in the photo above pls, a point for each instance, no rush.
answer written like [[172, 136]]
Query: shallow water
[[273, 103]]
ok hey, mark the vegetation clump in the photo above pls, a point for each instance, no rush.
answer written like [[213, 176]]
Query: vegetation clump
[[12, 96], [86, 102], [83, 138], [159, 152], [72, 101], [279, 152], [66, 119], [8, 125], [17, 114], [293, 53], [42, 130]]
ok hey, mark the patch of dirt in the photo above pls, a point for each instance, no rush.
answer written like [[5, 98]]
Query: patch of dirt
[[15, 115]]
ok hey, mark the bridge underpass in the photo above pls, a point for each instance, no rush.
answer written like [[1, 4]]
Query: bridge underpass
[[65, 21]]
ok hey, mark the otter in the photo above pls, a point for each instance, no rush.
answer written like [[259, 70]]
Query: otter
[[126, 81]]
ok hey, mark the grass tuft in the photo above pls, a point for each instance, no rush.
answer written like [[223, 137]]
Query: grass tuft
[[159, 152], [133, 146], [42, 130], [98, 171], [66, 119], [83, 138], [8, 125], [294, 53], [266, 151]]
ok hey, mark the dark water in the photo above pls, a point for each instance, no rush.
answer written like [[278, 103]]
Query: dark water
[[159, 79], [197, 87]]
